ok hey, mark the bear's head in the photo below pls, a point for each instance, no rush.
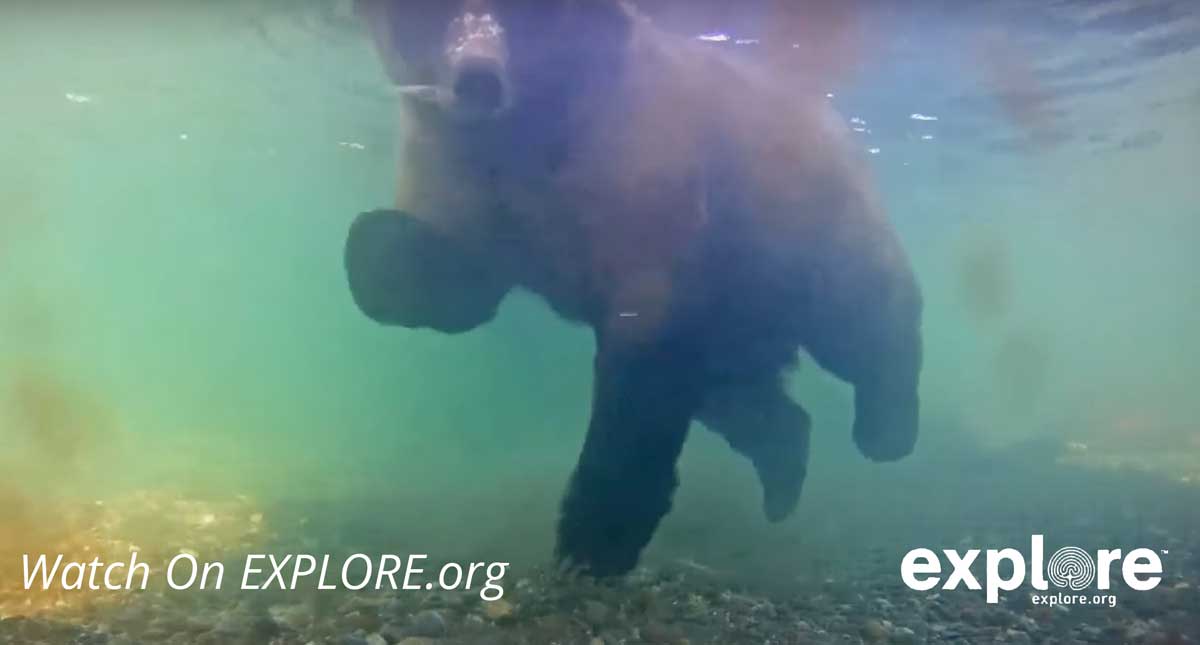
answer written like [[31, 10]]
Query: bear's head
[[479, 59]]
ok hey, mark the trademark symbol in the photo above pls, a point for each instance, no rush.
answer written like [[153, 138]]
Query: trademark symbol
[[1164, 551]]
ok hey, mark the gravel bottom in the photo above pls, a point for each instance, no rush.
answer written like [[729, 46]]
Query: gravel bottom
[[675, 604], [863, 602]]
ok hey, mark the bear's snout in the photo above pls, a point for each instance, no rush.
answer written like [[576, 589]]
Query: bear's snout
[[479, 87], [477, 59]]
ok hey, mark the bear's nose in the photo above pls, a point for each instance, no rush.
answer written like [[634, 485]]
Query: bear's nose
[[479, 86]]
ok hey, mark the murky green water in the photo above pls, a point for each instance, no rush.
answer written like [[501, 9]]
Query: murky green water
[[176, 183]]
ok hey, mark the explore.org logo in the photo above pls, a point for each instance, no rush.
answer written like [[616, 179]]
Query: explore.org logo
[[1069, 568]]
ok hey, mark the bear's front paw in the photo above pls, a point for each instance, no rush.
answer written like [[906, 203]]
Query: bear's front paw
[[600, 553], [600, 540], [382, 261], [782, 478], [403, 272], [885, 422], [607, 520]]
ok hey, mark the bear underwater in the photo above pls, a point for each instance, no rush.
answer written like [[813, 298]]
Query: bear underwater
[[705, 221]]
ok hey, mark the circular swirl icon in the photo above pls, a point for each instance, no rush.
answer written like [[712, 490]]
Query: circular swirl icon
[[1071, 567]]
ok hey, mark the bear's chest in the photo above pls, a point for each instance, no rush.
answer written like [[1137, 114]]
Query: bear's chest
[[594, 237]]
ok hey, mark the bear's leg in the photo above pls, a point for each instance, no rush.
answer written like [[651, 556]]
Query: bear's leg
[[645, 395], [402, 272], [762, 422], [867, 331]]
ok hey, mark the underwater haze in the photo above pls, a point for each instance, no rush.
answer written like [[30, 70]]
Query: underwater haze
[[182, 365]]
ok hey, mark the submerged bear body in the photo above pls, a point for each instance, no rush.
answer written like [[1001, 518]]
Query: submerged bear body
[[706, 223]]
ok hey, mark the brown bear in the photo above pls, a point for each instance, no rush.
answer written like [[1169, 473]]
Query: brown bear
[[705, 219]]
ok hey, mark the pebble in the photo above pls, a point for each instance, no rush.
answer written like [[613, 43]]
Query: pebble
[[904, 636], [595, 613], [393, 632], [656, 632], [498, 610], [428, 623], [366, 621], [874, 631], [291, 617], [1018, 637], [998, 618], [1138, 632], [232, 622], [393, 608]]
